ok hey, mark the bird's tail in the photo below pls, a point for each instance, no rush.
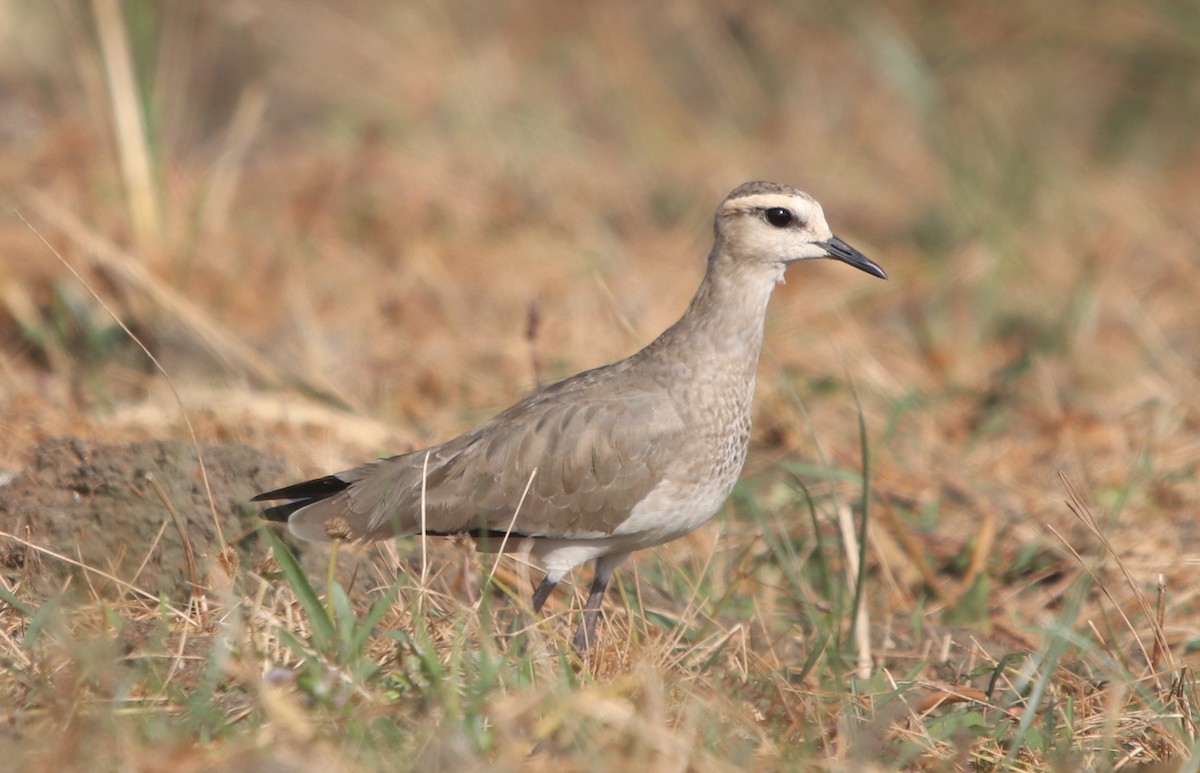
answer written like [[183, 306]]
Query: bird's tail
[[300, 496]]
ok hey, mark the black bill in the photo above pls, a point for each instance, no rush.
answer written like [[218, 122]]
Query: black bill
[[839, 250]]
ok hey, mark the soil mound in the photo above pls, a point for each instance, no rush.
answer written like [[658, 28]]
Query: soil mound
[[110, 507]]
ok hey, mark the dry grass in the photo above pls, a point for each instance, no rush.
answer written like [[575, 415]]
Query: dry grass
[[349, 214]]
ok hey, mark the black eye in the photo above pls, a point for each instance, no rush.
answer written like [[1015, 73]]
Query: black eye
[[779, 217]]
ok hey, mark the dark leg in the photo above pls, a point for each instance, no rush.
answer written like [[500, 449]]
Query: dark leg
[[542, 592], [585, 637]]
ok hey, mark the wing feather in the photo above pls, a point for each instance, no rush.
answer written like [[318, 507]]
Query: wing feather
[[594, 462]]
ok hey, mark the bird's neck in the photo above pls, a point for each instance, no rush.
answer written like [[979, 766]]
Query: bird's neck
[[722, 329]]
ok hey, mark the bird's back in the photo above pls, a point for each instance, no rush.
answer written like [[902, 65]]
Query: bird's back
[[645, 448], [572, 460]]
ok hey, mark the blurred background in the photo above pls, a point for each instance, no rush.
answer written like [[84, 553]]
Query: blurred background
[[355, 228], [368, 206]]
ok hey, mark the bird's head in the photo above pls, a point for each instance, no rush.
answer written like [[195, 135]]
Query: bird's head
[[774, 225]]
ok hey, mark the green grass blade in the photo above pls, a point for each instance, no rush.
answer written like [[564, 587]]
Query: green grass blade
[[324, 633], [14, 602], [39, 621], [363, 631], [865, 502]]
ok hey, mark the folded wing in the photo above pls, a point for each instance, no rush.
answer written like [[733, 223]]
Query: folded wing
[[544, 467]]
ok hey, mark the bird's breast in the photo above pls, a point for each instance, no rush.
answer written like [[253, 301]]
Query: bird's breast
[[675, 507]]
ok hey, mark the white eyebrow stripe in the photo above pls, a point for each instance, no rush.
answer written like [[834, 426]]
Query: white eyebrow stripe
[[765, 201]]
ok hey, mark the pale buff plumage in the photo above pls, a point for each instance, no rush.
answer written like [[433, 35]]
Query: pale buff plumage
[[614, 459]]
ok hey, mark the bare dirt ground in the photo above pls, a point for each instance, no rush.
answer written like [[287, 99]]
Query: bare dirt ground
[[134, 510], [347, 230]]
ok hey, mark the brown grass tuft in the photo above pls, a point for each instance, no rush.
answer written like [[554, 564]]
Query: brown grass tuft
[[352, 229]]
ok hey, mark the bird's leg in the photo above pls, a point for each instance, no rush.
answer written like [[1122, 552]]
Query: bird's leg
[[542, 592], [586, 635]]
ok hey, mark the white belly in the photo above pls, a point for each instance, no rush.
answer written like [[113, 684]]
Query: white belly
[[671, 510], [668, 512]]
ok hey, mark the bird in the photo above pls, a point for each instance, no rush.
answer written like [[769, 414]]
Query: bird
[[612, 460]]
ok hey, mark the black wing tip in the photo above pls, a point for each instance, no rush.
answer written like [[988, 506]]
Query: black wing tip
[[301, 495], [281, 513], [312, 490]]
